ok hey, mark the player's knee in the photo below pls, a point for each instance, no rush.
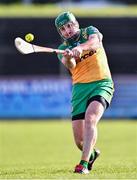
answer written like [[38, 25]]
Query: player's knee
[[93, 115], [90, 118]]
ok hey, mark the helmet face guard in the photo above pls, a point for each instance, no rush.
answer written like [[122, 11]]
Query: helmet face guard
[[63, 19]]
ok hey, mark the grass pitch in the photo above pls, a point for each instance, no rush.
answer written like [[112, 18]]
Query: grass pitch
[[46, 150]]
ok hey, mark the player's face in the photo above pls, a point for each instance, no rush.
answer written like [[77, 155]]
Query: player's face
[[68, 30]]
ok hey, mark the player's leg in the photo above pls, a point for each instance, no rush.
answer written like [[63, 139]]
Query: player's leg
[[96, 106], [78, 125], [93, 114], [78, 131]]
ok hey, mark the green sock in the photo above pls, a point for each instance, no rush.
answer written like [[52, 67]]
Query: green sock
[[92, 155], [84, 163]]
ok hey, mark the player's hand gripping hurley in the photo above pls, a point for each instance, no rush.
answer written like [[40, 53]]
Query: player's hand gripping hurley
[[27, 48]]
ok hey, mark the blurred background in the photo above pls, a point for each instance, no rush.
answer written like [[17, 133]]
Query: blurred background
[[37, 85]]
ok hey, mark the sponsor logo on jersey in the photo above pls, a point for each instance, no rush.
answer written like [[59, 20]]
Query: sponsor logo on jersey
[[85, 56]]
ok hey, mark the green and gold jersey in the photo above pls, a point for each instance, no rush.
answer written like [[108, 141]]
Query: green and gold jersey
[[91, 66]]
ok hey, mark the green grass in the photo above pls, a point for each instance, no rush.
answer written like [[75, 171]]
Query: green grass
[[48, 10], [45, 149]]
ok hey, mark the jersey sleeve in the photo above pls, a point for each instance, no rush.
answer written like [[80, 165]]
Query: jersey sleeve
[[61, 47], [92, 30]]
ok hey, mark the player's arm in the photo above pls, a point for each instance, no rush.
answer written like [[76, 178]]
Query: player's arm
[[93, 43], [68, 59]]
